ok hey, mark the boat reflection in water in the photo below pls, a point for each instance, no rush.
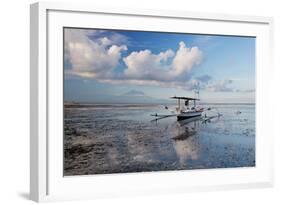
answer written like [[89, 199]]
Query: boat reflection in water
[[185, 141]]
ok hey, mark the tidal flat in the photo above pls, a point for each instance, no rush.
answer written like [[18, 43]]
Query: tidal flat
[[104, 139]]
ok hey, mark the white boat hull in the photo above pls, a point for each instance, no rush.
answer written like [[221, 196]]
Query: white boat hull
[[190, 114]]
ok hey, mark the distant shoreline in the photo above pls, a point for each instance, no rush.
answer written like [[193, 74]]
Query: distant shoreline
[[92, 104]]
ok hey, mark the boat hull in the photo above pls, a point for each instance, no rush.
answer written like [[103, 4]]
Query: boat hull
[[187, 115]]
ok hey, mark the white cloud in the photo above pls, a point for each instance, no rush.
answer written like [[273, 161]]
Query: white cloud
[[105, 41], [91, 58], [146, 66], [186, 59], [95, 54]]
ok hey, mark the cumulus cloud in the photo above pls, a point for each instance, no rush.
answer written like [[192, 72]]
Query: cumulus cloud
[[93, 55], [91, 58], [96, 54], [147, 66], [185, 59], [144, 65]]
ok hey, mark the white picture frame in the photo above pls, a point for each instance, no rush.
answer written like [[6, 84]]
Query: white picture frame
[[46, 179]]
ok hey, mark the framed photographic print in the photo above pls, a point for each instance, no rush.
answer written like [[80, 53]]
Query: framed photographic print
[[127, 102]]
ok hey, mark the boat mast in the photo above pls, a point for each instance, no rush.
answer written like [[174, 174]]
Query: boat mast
[[196, 91]]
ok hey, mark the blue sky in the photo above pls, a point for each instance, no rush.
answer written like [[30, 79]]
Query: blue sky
[[111, 66]]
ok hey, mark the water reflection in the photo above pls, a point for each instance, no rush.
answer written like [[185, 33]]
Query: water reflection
[[99, 141], [185, 141], [187, 128]]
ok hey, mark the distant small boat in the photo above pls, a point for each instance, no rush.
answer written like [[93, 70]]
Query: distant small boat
[[187, 111]]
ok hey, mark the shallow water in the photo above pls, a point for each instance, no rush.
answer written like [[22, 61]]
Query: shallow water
[[100, 139]]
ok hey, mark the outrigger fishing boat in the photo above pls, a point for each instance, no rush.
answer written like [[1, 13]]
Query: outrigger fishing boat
[[187, 108], [185, 111]]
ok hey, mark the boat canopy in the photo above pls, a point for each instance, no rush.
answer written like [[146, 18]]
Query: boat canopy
[[184, 98]]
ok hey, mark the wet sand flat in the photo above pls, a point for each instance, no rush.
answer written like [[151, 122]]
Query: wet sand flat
[[103, 139]]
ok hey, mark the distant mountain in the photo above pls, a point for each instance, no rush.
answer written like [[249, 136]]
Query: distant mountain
[[134, 93], [136, 96]]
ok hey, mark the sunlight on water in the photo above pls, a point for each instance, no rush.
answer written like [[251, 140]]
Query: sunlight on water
[[101, 139]]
